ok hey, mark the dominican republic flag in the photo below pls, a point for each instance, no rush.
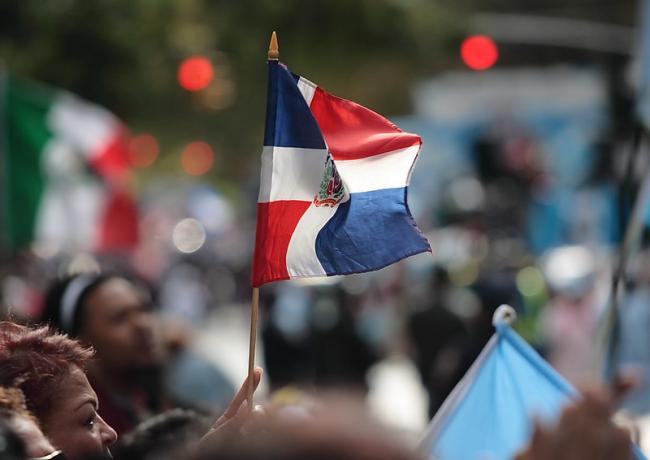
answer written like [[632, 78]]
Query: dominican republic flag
[[490, 413], [65, 171], [333, 187]]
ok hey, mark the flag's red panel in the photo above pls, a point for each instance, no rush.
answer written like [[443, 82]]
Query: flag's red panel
[[118, 228], [276, 222], [353, 131]]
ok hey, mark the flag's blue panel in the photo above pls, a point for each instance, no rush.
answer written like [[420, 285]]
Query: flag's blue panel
[[289, 122], [369, 231]]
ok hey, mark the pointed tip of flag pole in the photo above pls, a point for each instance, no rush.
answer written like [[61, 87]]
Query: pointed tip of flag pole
[[274, 52]]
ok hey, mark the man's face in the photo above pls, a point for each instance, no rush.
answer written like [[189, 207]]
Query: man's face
[[119, 324]]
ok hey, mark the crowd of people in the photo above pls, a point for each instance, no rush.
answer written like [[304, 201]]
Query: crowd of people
[[90, 380]]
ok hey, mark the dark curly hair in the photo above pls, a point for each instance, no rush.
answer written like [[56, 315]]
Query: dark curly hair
[[35, 360]]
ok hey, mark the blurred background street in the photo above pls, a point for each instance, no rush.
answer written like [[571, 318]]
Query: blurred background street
[[130, 141]]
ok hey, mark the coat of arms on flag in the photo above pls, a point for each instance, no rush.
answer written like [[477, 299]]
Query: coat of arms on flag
[[331, 189], [333, 186]]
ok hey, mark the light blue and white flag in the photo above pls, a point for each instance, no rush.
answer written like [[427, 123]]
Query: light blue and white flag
[[490, 413]]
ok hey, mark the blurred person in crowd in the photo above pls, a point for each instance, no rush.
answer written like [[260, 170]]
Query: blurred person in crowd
[[169, 435], [495, 286], [286, 310], [12, 446], [342, 353], [570, 319], [13, 409], [439, 338], [114, 316], [632, 347], [137, 372], [509, 164], [595, 213], [49, 369], [335, 427], [311, 336], [332, 429]]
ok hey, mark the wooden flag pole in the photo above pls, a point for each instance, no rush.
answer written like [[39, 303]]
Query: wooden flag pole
[[273, 55], [251, 348]]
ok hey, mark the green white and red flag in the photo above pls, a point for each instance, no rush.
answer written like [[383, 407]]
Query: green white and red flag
[[64, 173]]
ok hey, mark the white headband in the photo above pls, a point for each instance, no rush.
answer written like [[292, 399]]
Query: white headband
[[70, 300]]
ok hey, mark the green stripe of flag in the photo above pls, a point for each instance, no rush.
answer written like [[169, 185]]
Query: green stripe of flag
[[26, 108]]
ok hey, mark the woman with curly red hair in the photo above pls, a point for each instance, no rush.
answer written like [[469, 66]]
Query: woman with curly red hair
[[49, 368]]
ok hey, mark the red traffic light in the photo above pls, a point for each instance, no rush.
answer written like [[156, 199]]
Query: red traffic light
[[195, 73], [479, 52]]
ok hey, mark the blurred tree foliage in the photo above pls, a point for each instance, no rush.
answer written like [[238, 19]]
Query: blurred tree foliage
[[124, 54]]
